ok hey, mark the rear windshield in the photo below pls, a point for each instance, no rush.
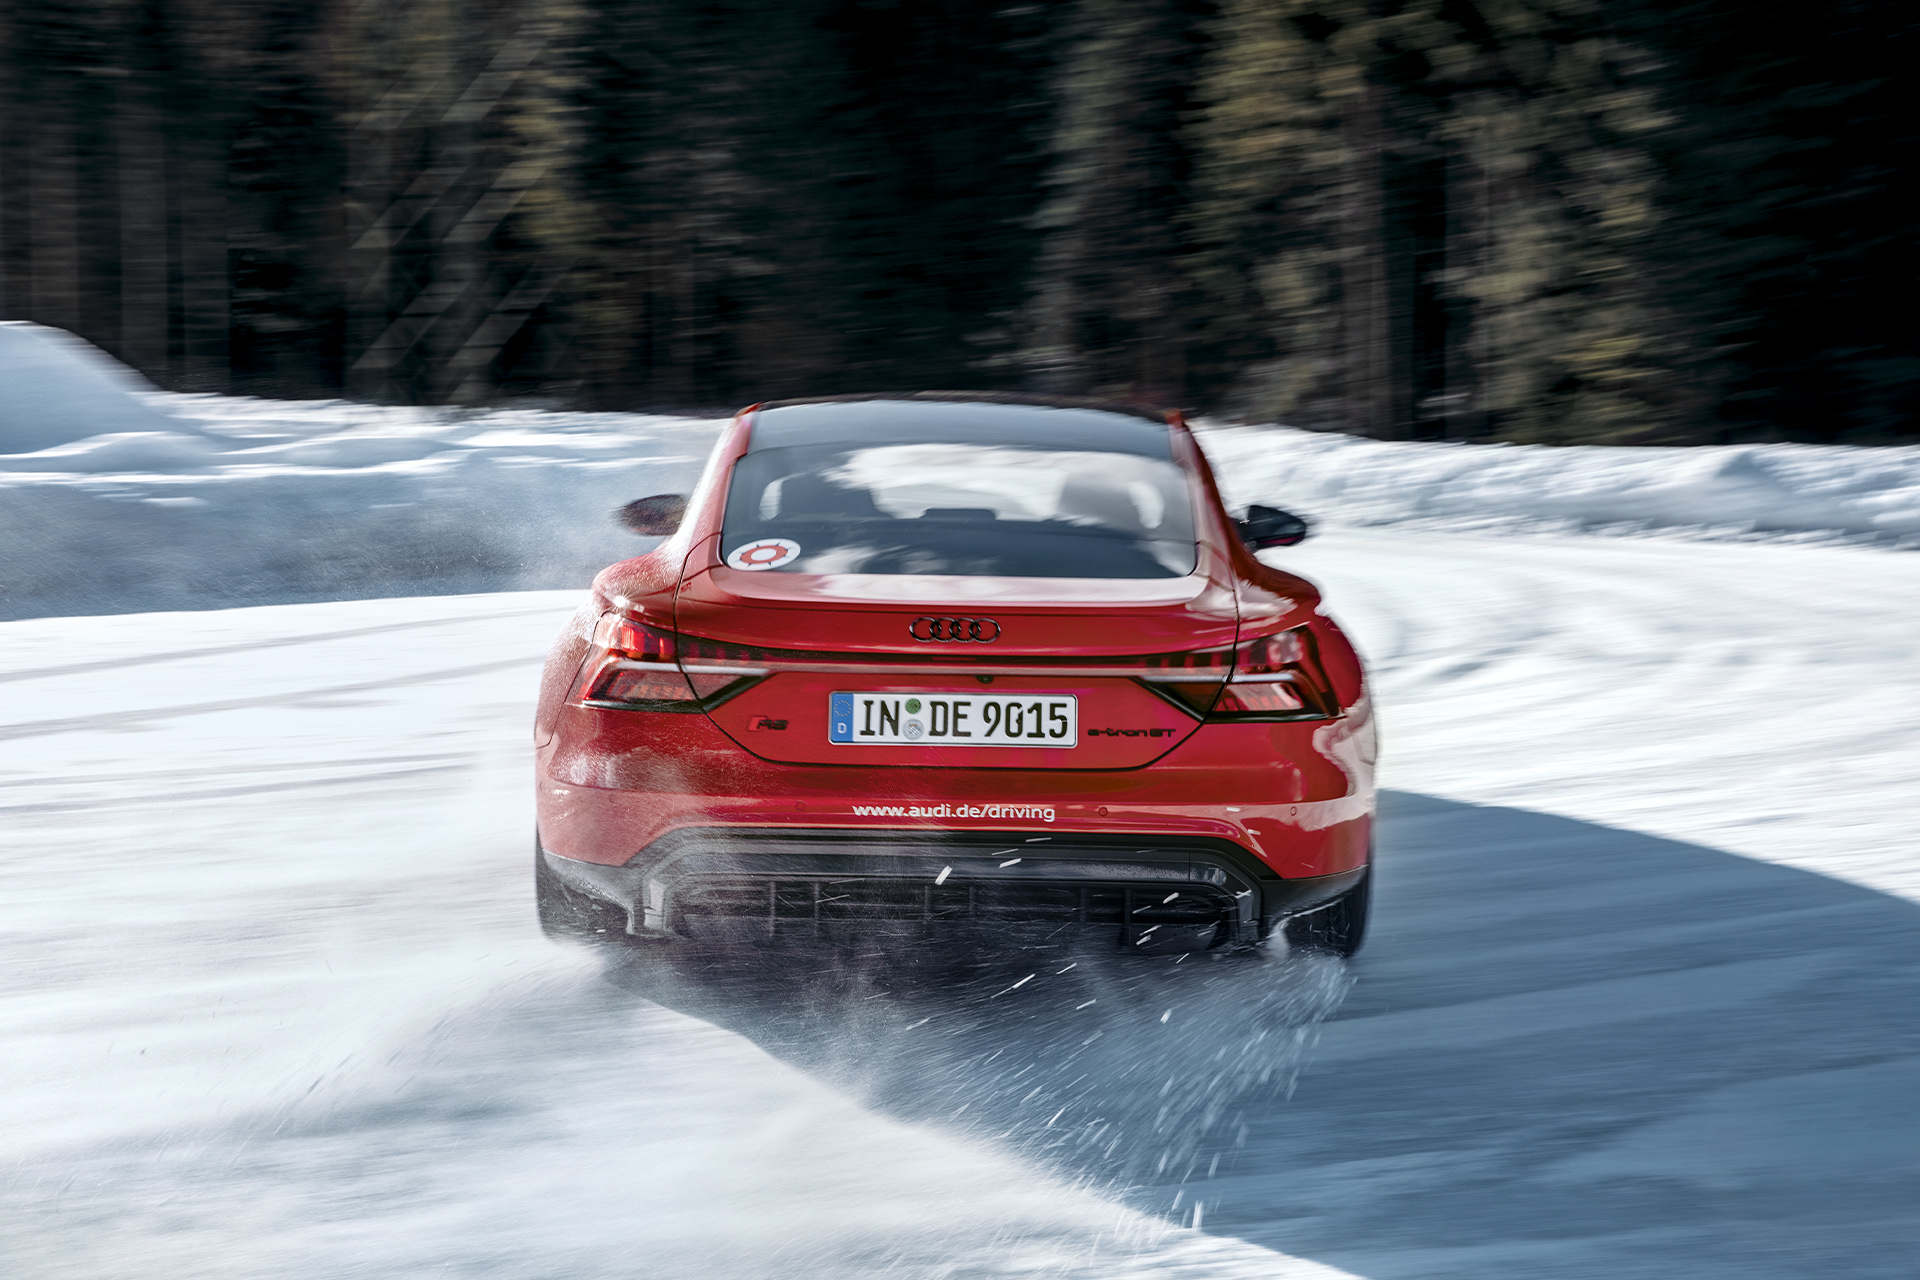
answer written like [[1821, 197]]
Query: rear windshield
[[947, 507]]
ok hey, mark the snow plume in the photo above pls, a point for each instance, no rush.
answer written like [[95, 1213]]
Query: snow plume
[[495, 1123], [1125, 1072]]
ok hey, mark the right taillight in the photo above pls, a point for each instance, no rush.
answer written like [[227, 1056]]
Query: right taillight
[[1276, 677]]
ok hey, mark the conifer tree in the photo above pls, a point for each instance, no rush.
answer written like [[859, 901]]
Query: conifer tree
[[1538, 220], [1110, 307]]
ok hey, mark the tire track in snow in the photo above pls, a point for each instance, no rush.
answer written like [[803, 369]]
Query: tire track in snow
[[254, 646], [291, 698], [157, 775], [225, 793]]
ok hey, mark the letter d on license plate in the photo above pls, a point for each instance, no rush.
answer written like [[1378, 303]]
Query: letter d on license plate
[[953, 719]]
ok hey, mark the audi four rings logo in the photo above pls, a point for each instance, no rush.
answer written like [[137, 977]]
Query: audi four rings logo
[[955, 630]]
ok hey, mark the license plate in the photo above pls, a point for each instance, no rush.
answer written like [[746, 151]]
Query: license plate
[[954, 719]]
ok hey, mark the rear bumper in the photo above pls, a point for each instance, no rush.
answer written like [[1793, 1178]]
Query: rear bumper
[[705, 880], [1295, 797]]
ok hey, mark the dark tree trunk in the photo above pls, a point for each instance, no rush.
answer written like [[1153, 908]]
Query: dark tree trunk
[[140, 160]]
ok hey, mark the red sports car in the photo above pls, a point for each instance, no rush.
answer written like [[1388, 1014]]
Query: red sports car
[[945, 657]]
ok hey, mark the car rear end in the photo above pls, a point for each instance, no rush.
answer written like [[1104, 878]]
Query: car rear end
[[933, 662]]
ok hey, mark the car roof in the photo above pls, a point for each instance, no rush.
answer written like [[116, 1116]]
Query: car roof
[[992, 418]]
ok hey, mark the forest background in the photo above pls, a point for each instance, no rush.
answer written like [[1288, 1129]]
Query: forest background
[[1565, 221]]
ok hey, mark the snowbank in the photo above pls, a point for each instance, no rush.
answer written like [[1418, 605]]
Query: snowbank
[[256, 501], [1776, 491], [178, 501], [56, 389]]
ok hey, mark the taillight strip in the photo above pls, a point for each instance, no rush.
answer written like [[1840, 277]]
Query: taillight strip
[[633, 644], [696, 653], [916, 670]]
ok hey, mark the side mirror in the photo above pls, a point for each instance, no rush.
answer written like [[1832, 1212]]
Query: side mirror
[[657, 517], [1271, 527]]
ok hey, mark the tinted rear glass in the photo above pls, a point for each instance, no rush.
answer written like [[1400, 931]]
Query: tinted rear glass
[[933, 498]]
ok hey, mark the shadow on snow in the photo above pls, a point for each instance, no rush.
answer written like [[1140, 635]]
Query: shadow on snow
[[1568, 1050]]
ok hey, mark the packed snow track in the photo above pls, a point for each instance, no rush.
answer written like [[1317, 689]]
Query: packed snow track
[[1639, 1002]]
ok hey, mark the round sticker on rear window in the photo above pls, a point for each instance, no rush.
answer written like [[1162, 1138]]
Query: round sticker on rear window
[[764, 553]]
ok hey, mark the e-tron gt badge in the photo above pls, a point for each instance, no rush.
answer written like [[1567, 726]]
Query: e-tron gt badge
[[954, 630], [763, 553]]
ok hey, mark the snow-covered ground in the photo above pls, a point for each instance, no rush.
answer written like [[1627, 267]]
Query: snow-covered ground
[[275, 1004], [1639, 1003], [272, 1003]]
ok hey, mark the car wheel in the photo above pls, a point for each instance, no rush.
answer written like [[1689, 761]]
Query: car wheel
[[1337, 928], [568, 914]]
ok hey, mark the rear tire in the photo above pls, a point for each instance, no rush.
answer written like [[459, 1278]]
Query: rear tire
[[568, 915], [1337, 928]]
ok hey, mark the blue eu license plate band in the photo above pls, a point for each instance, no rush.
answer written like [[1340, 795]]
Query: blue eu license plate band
[[840, 718], [953, 718]]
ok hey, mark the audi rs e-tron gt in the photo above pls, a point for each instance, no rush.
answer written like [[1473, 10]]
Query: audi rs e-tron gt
[[943, 657]]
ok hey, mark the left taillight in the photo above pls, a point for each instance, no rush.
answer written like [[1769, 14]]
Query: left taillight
[[639, 667]]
